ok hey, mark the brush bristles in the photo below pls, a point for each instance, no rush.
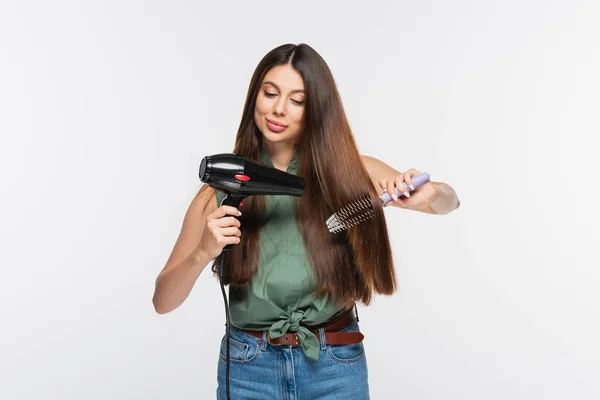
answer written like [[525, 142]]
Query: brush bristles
[[350, 215]]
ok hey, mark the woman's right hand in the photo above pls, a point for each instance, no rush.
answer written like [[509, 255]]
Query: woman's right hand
[[220, 230]]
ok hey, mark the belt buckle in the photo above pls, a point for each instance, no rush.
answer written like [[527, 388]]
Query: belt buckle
[[269, 339]]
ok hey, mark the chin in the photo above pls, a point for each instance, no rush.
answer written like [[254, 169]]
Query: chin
[[275, 137]]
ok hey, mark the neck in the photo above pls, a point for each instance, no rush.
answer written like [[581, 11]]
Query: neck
[[280, 154]]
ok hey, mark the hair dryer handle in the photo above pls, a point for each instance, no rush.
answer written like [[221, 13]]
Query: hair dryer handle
[[233, 200]]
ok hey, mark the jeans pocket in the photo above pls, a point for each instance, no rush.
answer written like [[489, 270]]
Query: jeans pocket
[[347, 353], [243, 348]]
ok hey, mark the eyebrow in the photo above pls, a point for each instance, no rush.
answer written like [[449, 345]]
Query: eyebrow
[[277, 87]]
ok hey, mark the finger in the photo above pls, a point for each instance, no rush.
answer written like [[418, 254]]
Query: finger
[[409, 181], [399, 181], [230, 231], [225, 222], [390, 189], [413, 172], [225, 210], [225, 240], [383, 185]]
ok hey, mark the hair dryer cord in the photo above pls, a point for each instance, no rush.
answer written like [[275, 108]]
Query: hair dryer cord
[[218, 267]]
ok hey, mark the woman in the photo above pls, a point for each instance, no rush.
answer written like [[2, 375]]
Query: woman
[[293, 284]]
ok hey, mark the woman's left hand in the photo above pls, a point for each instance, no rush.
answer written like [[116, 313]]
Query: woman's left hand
[[424, 195]]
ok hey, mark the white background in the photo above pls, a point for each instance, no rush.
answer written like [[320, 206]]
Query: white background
[[107, 108]]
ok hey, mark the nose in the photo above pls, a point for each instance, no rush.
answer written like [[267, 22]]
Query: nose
[[280, 106]]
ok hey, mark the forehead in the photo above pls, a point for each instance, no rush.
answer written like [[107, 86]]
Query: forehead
[[285, 77]]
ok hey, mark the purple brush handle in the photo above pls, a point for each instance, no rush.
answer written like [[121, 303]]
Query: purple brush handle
[[417, 181]]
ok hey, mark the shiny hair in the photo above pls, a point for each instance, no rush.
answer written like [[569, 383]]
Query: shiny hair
[[349, 266]]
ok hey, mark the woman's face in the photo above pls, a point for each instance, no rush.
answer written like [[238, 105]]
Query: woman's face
[[280, 105]]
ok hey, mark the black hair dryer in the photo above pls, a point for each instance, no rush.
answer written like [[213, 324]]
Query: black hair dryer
[[239, 177]]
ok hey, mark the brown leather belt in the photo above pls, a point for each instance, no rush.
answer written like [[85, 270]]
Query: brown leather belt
[[332, 336]]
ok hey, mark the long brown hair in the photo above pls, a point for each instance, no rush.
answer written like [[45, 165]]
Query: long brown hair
[[351, 265]]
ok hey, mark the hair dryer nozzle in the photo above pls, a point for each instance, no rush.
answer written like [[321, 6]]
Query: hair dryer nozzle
[[233, 173]]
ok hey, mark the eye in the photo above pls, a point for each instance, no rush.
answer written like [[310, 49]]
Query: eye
[[297, 102], [269, 94]]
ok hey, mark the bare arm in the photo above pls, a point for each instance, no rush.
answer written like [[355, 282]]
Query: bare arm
[[445, 197], [202, 237], [447, 200]]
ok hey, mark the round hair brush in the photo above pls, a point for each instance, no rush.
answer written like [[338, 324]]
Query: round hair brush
[[362, 210]]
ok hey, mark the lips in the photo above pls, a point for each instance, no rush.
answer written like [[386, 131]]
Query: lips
[[275, 126], [276, 123]]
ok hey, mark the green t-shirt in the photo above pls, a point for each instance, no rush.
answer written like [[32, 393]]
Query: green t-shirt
[[281, 296]]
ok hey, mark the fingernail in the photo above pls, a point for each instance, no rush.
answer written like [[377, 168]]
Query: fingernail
[[411, 187], [406, 194], [394, 196], [239, 212]]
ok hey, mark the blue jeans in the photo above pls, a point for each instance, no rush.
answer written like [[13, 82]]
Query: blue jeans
[[262, 371]]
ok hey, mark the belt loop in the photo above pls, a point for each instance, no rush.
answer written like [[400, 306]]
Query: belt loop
[[263, 341], [322, 338]]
